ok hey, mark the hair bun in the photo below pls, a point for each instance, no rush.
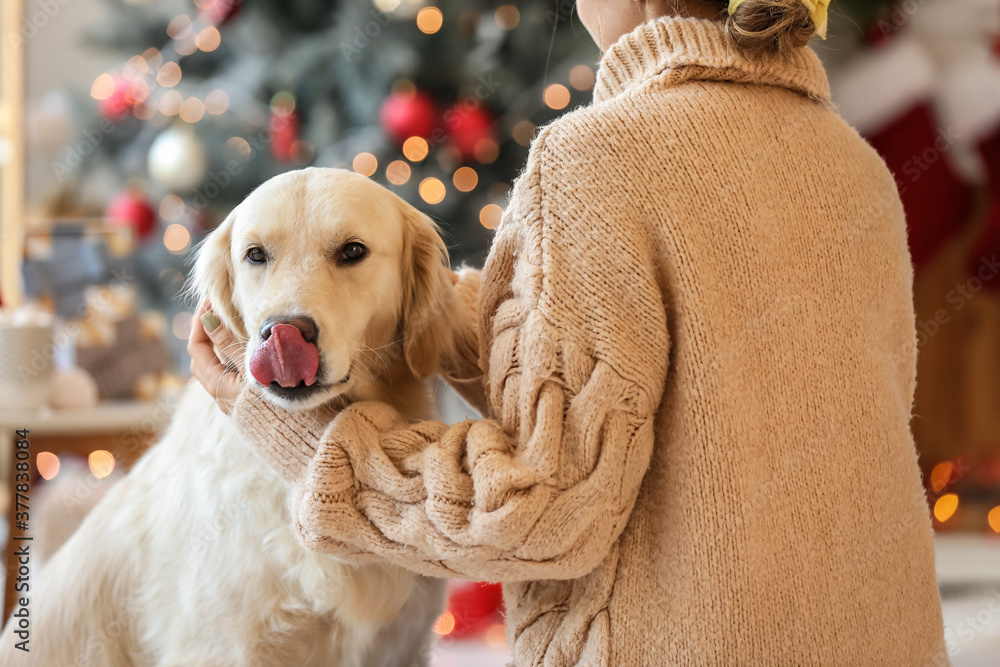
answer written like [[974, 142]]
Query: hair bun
[[771, 26]]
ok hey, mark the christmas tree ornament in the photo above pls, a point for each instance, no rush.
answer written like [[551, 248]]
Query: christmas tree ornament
[[124, 96], [468, 124], [887, 95], [408, 113], [132, 209], [176, 159], [474, 607], [284, 132], [218, 12]]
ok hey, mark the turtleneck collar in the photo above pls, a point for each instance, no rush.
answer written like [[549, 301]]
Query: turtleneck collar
[[684, 49]]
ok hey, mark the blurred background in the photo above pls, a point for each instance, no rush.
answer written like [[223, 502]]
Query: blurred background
[[132, 127]]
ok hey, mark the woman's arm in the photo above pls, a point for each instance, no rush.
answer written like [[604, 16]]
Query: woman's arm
[[575, 371]]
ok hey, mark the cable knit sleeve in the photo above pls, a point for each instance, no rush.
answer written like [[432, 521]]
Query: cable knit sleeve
[[575, 348]]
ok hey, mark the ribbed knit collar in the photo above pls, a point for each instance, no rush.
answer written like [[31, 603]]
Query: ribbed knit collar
[[690, 49]]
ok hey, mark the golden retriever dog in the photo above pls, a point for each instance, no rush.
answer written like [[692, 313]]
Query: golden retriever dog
[[191, 560]]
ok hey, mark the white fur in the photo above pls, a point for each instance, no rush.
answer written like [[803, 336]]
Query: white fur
[[191, 559]]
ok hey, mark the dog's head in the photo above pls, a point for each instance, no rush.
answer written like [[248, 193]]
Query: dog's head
[[331, 281]]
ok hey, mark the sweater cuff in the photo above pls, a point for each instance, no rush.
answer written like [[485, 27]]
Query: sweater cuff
[[286, 440]]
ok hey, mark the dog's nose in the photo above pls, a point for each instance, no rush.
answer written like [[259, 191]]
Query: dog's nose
[[306, 325]]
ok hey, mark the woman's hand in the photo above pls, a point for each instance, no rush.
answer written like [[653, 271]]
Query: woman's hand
[[216, 357]]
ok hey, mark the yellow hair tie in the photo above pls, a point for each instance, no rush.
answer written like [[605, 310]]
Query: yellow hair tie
[[818, 12]]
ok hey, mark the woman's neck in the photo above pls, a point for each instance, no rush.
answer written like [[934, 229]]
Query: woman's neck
[[608, 20]]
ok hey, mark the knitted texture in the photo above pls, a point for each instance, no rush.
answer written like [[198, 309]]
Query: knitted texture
[[757, 503]]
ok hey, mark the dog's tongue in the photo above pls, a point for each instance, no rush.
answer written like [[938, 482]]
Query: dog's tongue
[[285, 357]]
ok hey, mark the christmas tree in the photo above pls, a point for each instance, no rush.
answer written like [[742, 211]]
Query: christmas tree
[[438, 100]]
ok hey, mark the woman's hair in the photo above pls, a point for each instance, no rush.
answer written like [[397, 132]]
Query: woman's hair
[[769, 26]]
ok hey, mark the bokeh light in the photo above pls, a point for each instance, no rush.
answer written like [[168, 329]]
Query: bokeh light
[[430, 20], [941, 476], [47, 464], [101, 463], [208, 39], [432, 190], [365, 164], [179, 27], [216, 102], [444, 624], [415, 149], [993, 518], [103, 87], [486, 151], [176, 238], [169, 75], [507, 17], [582, 77], [524, 132], [172, 208], [945, 507], [465, 179], [556, 96], [398, 172], [192, 110], [490, 216], [181, 325]]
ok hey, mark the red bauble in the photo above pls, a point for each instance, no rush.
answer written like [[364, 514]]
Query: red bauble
[[218, 12], [475, 607], [467, 124], [408, 114], [284, 129], [131, 209], [121, 102]]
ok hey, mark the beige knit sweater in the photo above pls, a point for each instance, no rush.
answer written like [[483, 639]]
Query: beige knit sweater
[[697, 349]]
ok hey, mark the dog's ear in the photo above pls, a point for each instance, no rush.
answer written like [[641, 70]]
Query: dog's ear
[[213, 275], [428, 294]]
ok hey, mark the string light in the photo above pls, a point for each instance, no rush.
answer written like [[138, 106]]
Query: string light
[[941, 476], [240, 146], [179, 27], [172, 208], [47, 464], [556, 96], [430, 20], [507, 17], [101, 463], [582, 77], [415, 149], [398, 172], [176, 239], [945, 507], [993, 518], [490, 216], [432, 190], [465, 179], [216, 102], [181, 325], [170, 103], [524, 132], [135, 68], [103, 87], [192, 110], [208, 39], [486, 151], [445, 624], [365, 164], [169, 75], [144, 111]]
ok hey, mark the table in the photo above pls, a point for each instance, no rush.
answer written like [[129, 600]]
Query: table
[[126, 429]]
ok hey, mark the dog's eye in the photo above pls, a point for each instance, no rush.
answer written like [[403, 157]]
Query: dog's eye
[[353, 252], [256, 255]]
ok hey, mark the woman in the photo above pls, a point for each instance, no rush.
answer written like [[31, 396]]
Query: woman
[[697, 350]]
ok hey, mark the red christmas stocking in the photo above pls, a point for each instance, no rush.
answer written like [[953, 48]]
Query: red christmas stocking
[[886, 94]]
